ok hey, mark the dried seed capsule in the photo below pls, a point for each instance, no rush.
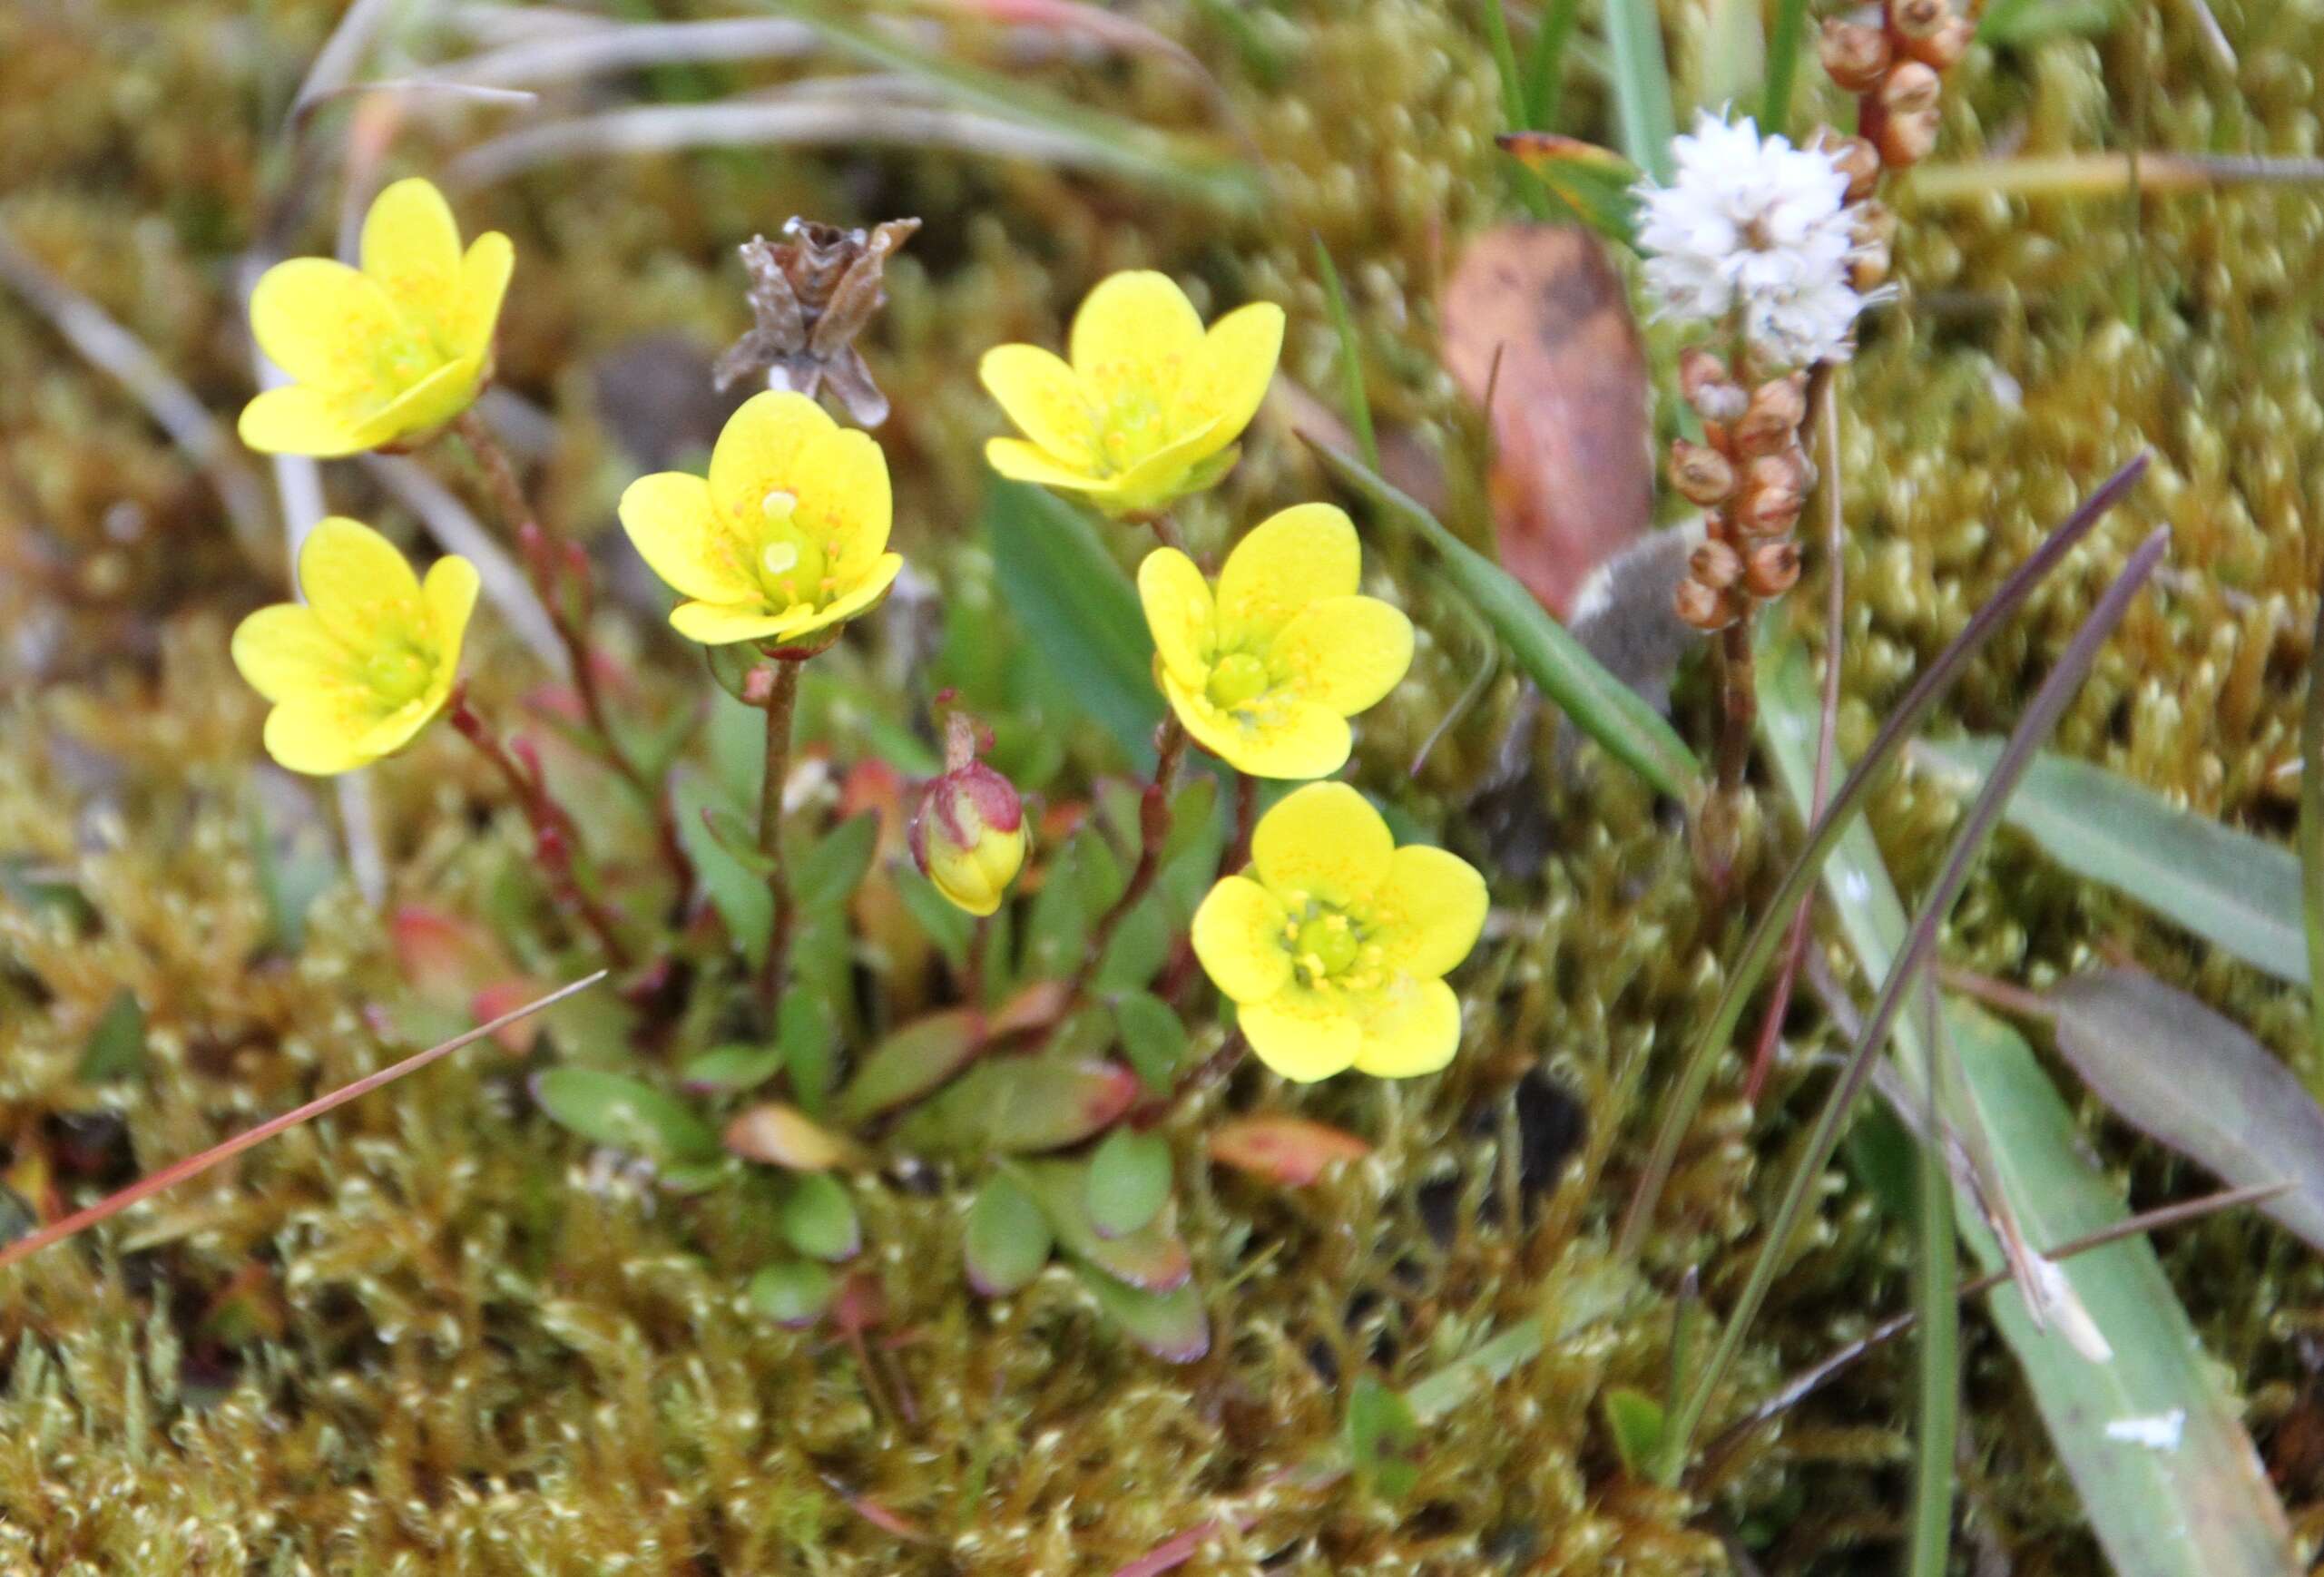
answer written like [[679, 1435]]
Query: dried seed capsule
[[1770, 512], [1906, 140], [1716, 564], [1910, 87], [1772, 569], [1776, 410], [1707, 386], [1701, 474], [1702, 607], [1855, 56], [1912, 19], [1785, 469], [1944, 48]]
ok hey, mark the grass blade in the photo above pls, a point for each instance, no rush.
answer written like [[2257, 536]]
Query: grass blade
[[2237, 892], [2042, 715], [2311, 837], [1600, 704], [1783, 47], [1641, 86], [1937, 1290], [2202, 1510], [1351, 355], [1766, 935], [1544, 72], [1515, 112]]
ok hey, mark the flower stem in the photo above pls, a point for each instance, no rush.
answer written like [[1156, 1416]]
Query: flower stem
[[1237, 854], [556, 841], [1153, 831], [782, 701], [548, 563]]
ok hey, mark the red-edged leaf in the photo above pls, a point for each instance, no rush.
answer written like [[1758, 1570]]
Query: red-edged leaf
[[785, 1136], [1291, 1150]]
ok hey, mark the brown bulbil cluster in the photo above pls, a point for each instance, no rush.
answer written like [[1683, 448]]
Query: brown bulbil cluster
[[1895, 68], [810, 295], [1750, 474]]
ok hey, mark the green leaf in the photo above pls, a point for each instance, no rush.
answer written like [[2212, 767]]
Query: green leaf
[[725, 1069], [1641, 85], [2198, 1082], [1152, 1258], [1007, 1239], [2237, 892], [740, 842], [1784, 47], [1153, 1037], [1635, 1421], [115, 1048], [1383, 1439], [1018, 1105], [1335, 296], [1544, 73], [1083, 880], [909, 1063], [835, 867], [819, 1217], [2017, 23], [625, 1113], [1129, 1181], [737, 892], [944, 922], [2202, 1510], [808, 1040], [1172, 1324], [1600, 704], [796, 1293], [1078, 610]]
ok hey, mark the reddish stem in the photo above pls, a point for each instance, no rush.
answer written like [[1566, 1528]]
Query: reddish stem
[[1153, 830]]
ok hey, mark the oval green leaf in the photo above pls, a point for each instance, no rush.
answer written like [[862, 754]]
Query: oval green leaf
[[625, 1113], [1007, 1239]]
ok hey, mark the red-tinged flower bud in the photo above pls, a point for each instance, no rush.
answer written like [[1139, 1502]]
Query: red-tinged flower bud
[[1860, 161], [968, 837], [1701, 474], [1944, 48], [1707, 386], [1910, 88], [1772, 569], [1772, 423], [1906, 140], [1911, 19], [1855, 56], [1716, 564], [1703, 608]]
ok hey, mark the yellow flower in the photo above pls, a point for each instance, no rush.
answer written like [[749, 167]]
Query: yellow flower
[[1334, 945], [1150, 405], [390, 351], [787, 536], [368, 659], [1266, 669]]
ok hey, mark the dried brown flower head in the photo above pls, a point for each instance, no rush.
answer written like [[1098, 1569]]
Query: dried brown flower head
[[811, 294]]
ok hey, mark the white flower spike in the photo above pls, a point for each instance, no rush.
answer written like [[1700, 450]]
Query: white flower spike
[[1754, 227]]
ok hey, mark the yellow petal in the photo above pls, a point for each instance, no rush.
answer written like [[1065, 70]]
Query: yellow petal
[[1239, 936], [284, 650], [758, 452], [484, 282], [1166, 474], [1277, 735], [1022, 462], [1326, 841], [1343, 653], [843, 500], [1135, 331], [1045, 397], [1299, 557], [301, 420], [725, 623], [1302, 1035], [1429, 913], [1176, 600], [360, 586], [392, 732], [1228, 376], [420, 407], [449, 592], [1411, 1027], [411, 247], [869, 587], [668, 519], [323, 323], [317, 733]]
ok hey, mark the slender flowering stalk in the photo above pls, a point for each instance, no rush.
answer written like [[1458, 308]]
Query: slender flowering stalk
[[1153, 831], [777, 689]]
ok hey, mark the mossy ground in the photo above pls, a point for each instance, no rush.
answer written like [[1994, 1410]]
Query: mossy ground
[[431, 1335]]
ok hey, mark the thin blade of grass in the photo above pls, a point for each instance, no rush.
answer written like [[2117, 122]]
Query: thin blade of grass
[[1766, 935], [1351, 356], [1984, 815], [1641, 85], [1783, 46], [2234, 890], [2202, 1510], [1937, 1290], [194, 1165], [1545, 69], [1515, 112], [1600, 704], [2312, 839]]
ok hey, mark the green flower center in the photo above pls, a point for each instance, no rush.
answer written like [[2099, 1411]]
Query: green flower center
[[1327, 944], [791, 567], [1236, 678], [394, 673]]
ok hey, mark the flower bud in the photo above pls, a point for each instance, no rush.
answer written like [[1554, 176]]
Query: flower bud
[[1703, 608], [1784, 468], [1701, 474], [1772, 422], [1909, 88], [1944, 48], [1867, 268], [1860, 161], [1906, 140], [1707, 386], [1772, 569], [1770, 512], [1917, 19], [1855, 56], [1715, 564], [968, 837]]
